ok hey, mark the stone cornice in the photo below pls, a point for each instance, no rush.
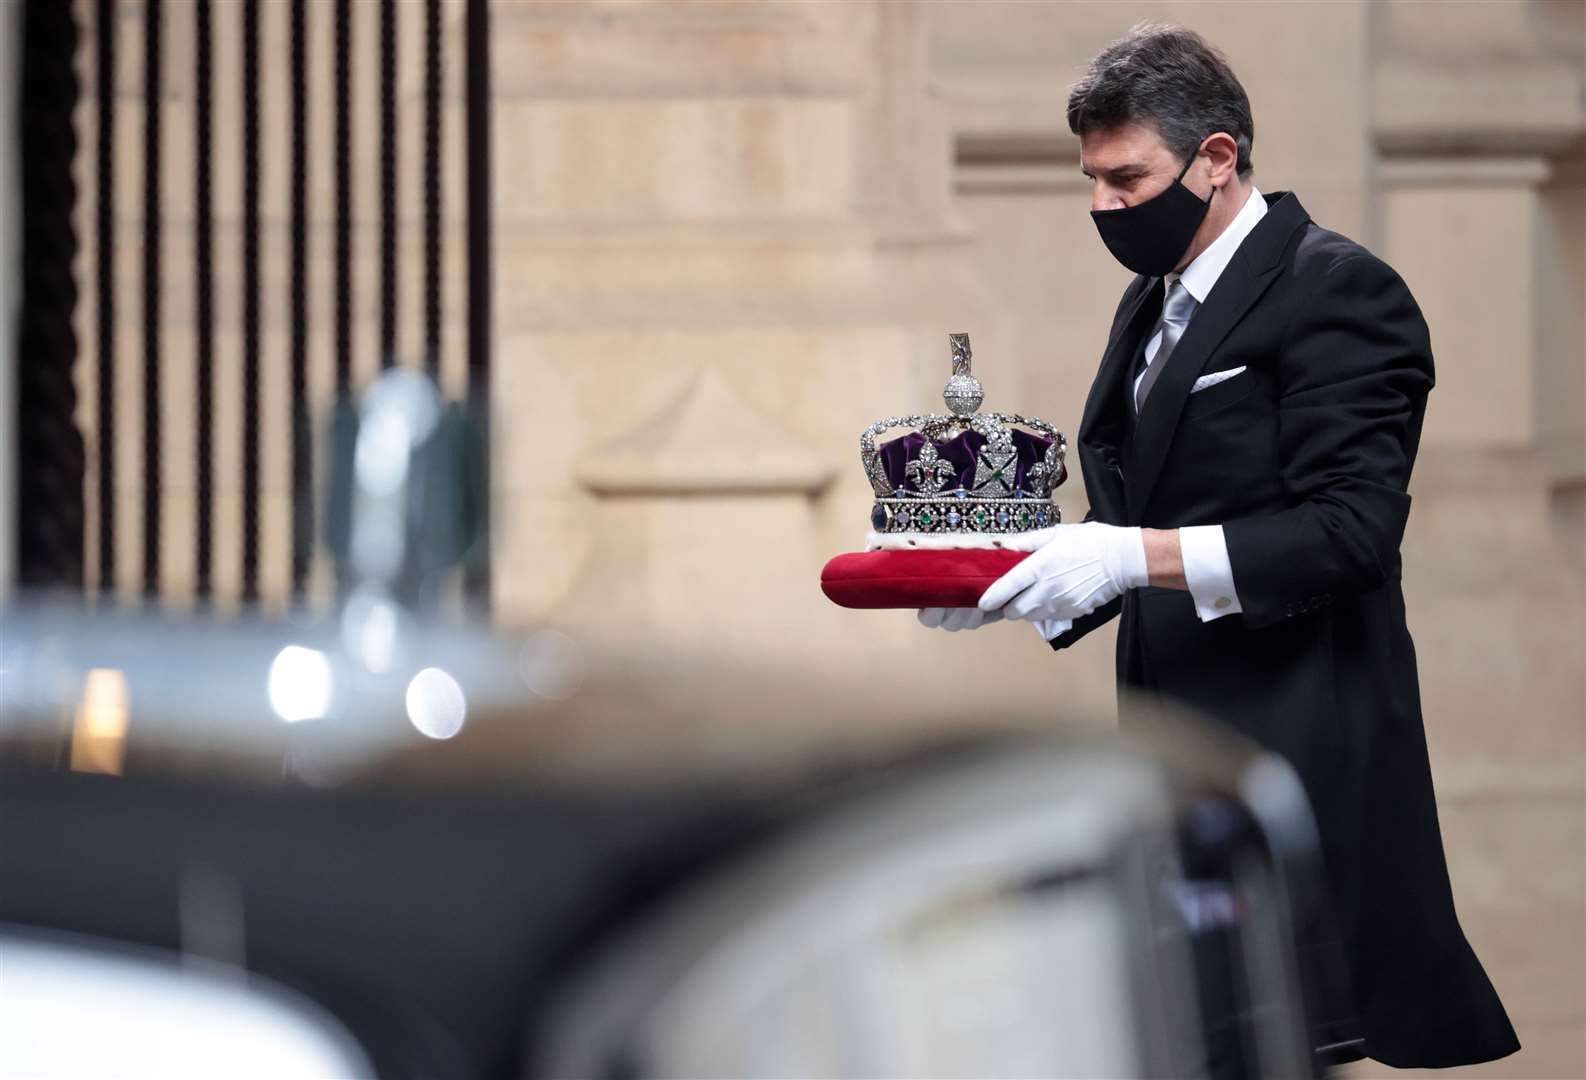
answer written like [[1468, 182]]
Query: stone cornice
[[1503, 106], [709, 442], [1465, 171]]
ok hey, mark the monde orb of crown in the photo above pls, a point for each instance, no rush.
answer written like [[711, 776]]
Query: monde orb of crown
[[963, 394], [965, 473]]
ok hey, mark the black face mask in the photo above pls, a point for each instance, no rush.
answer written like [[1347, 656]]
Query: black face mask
[[1150, 237]]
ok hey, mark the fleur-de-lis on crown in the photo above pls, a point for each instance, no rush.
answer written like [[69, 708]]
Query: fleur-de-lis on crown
[[929, 471]]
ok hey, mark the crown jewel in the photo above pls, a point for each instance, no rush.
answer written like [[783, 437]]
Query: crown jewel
[[965, 472]]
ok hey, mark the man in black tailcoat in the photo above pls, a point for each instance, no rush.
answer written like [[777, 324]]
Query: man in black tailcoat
[[1246, 448]]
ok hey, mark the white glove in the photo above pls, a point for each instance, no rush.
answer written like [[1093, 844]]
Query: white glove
[[957, 618], [973, 618], [1074, 570]]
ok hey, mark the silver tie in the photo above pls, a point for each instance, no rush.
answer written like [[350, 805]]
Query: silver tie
[[1177, 309]]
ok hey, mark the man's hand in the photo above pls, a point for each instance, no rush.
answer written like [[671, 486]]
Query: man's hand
[[957, 618], [1074, 570]]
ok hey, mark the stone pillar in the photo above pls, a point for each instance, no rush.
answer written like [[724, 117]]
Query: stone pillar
[[1478, 112]]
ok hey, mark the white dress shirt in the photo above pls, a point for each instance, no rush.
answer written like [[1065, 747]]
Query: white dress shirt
[[1207, 571]]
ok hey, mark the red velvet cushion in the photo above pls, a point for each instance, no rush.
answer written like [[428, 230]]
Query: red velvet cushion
[[915, 579]]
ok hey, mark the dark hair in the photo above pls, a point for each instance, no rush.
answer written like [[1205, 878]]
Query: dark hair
[[1168, 76]]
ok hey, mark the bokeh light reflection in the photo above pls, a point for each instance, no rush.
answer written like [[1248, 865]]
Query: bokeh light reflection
[[436, 704], [300, 684]]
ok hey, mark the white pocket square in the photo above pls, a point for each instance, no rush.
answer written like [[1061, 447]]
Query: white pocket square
[[1214, 378]]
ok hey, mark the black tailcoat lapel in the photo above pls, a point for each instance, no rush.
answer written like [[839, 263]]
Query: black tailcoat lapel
[[1248, 274], [1104, 426]]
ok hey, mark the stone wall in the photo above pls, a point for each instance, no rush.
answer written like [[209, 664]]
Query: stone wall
[[730, 235]]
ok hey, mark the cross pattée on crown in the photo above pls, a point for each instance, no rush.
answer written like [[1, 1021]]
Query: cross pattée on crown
[[961, 353], [963, 393]]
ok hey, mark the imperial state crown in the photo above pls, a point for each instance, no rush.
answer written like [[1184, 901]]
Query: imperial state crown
[[966, 472], [947, 494]]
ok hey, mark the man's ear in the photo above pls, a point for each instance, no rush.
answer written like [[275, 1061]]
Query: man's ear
[[1223, 151]]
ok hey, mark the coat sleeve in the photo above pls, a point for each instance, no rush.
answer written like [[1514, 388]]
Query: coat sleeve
[[1354, 370], [1086, 623]]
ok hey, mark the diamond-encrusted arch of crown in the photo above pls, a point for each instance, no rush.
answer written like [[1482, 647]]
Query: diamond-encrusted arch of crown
[[966, 471]]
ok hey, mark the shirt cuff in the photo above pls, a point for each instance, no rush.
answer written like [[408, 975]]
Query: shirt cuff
[[1051, 628], [1207, 571]]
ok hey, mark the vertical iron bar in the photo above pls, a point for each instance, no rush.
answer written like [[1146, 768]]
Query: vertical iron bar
[[302, 450], [151, 298], [204, 297], [343, 201], [432, 187], [49, 461], [388, 184], [476, 574], [250, 301], [106, 281]]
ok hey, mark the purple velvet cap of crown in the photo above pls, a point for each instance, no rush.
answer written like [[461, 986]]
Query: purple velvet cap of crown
[[961, 452]]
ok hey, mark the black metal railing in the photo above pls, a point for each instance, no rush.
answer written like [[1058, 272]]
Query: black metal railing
[[51, 493], [49, 484], [203, 302]]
